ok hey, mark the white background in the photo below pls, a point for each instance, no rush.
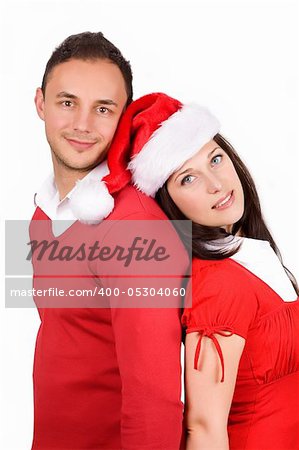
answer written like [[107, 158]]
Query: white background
[[239, 58]]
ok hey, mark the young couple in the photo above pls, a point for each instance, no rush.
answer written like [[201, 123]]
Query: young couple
[[109, 378]]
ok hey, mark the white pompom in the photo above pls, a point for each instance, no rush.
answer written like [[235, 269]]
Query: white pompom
[[91, 201]]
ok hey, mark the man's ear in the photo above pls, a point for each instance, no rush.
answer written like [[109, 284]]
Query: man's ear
[[39, 103]]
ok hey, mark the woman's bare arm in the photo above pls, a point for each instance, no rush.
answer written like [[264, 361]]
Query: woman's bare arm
[[208, 400]]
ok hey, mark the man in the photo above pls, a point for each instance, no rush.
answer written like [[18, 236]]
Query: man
[[104, 378]]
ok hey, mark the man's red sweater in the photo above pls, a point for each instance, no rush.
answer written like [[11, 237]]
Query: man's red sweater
[[106, 378]]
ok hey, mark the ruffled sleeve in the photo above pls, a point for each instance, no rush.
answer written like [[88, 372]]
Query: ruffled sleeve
[[223, 303]]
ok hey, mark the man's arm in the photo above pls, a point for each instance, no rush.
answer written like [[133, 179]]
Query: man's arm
[[148, 339], [148, 353]]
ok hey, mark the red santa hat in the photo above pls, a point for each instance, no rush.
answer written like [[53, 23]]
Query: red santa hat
[[171, 144], [155, 136]]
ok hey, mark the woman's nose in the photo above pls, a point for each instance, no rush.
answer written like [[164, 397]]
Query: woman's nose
[[213, 184]]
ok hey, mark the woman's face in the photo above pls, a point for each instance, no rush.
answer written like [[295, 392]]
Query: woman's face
[[207, 188]]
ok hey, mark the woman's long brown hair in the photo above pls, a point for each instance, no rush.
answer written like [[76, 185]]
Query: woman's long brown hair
[[251, 224]]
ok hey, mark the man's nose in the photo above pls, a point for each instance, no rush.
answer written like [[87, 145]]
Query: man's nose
[[82, 121]]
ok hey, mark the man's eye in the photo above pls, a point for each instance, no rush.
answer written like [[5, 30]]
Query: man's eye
[[217, 159], [103, 110], [67, 103], [187, 179]]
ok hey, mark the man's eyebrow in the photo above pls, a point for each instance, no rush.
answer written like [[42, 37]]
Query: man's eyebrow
[[64, 94], [104, 101]]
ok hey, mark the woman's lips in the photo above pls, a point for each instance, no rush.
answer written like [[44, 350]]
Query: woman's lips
[[80, 145], [226, 202]]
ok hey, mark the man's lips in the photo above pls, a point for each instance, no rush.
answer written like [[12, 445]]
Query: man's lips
[[225, 202], [80, 145]]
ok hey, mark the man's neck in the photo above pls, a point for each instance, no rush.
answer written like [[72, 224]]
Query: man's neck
[[65, 179]]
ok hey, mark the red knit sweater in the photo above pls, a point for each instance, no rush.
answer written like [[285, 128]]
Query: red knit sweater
[[105, 378]]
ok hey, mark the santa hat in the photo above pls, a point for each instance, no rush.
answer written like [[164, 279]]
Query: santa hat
[[171, 144], [155, 136]]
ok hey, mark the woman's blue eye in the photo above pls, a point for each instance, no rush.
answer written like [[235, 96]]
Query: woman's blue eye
[[217, 159], [187, 180]]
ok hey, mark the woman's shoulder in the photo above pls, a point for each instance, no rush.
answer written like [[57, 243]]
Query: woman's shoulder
[[221, 293], [226, 278], [227, 269]]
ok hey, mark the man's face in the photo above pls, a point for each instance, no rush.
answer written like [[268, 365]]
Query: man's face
[[81, 108]]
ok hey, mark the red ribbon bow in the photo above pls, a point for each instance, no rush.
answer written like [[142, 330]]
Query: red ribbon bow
[[209, 332]]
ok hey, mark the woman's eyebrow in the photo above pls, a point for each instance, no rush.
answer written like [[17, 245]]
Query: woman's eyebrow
[[190, 168], [210, 154], [184, 171]]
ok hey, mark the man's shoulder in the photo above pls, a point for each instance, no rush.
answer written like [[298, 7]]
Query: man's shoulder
[[130, 201]]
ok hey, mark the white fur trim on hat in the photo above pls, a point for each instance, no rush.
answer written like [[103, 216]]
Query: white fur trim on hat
[[178, 138]]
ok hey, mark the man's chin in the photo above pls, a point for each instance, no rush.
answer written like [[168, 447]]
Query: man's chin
[[77, 166], [82, 168]]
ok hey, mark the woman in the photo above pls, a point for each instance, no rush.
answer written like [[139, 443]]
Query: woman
[[242, 346]]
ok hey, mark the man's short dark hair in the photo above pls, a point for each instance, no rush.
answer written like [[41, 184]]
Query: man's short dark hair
[[90, 46]]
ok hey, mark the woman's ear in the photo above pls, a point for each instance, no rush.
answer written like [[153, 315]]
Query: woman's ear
[[39, 103]]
